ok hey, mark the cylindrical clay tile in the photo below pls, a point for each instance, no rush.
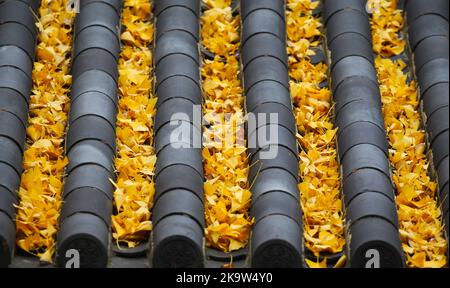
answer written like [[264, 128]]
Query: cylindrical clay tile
[[14, 34], [276, 239], [263, 21], [176, 42], [367, 180], [187, 179], [18, 12], [276, 243], [7, 202], [265, 112], [274, 179], [262, 45], [430, 48], [375, 237], [177, 242], [178, 215], [433, 73], [15, 79], [361, 133], [100, 130], [7, 238], [426, 26], [333, 7], [9, 178], [31, 4], [181, 134], [417, 8], [350, 44], [362, 145], [91, 143], [267, 92], [356, 89], [90, 152], [428, 38], [345, 21], [96, 37], [86, 233], [435, 98], [193, 5], [94, 81], [115, 4], [352, 66], [12, 128], [93, 103], [15, 57], [438, 123], [177, 18], [95, 59], [17, 49], [179, 87], [276, 6], [97, 14]]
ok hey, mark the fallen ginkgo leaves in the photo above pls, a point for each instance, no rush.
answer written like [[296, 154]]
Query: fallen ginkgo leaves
[[135, 162], [319, 170], [227, 195], [418, 211], [44, 159]]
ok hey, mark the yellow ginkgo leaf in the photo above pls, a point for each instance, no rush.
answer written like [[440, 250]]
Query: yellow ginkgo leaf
[[317, 264], [135, 162], [319, 169], [224, 155]]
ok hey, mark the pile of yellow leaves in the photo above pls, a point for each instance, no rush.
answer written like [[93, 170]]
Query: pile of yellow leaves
[[319, 169], [418, 211], [227, 195], [135, 162], [385, 35], [44, 159]]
